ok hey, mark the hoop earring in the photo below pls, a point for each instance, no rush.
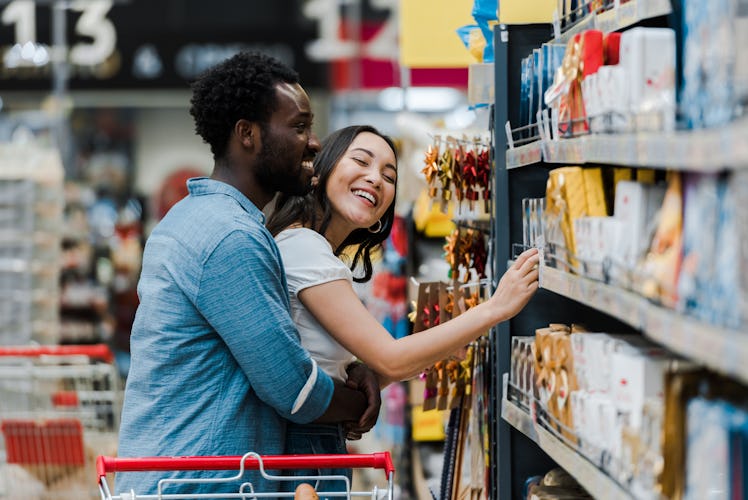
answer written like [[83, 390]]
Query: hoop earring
[[378, 229]]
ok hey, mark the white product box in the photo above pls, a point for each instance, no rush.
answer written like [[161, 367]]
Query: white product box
[[635, 207], [648, 56], [636, 377], [606, 100], [481, 83]]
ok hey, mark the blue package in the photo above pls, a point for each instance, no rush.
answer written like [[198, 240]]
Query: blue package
[[485, 11], [700, 216], [537, 83], [529, 118], [708, 95], [523, 97]]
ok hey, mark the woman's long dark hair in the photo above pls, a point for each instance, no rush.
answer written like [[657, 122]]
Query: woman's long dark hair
[[314, 211]]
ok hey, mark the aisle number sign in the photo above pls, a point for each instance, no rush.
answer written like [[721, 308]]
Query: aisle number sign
[[95, 33], [126, 44], [330, 44]]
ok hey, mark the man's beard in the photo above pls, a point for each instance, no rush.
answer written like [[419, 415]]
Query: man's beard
[[279, 173]]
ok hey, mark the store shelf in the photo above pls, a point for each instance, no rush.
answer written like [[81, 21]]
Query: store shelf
[[595, 481], [623, 16], [706, 150], [720, 349], [527, 154]]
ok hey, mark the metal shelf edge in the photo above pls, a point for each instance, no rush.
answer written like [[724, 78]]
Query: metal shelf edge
[[624, 16], [720, 349], [595, 481], [698, 150]]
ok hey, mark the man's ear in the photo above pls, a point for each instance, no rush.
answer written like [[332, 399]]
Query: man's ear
[[248, 133]]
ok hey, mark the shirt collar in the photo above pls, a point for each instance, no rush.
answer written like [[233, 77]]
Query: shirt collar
[[199, 186]]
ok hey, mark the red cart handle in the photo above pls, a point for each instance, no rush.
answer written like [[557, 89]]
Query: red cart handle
[[381, 460], [95, 351]]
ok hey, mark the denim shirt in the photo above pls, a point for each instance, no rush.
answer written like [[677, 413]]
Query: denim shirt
[[217, 367]]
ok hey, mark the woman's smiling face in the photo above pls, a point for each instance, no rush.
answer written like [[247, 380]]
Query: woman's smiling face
[[361, 187]]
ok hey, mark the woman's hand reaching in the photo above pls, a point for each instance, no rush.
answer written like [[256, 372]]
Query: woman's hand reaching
[[518, 285]]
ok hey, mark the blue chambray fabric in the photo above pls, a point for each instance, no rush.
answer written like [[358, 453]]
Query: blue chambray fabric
[[216, 360]]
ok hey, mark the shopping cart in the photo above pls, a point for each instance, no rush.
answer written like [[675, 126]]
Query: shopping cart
[[59, 408], [249, 461]]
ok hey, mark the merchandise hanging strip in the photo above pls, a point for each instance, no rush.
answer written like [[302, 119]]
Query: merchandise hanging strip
[[466, 252], [477, 140], [480, 283], [471, 224]]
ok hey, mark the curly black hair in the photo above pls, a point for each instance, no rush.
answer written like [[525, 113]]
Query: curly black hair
[[242, 86], [314, 210]]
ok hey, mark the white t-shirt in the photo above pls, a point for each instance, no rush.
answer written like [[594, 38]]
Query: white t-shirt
[[309, 260]]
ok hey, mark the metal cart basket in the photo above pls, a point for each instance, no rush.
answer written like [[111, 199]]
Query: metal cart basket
[[249, 461], [59, 409]]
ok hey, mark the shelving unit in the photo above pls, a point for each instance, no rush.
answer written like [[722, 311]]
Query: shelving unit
[[527, 154], [596, 482], [705, 151], [619, 17], [521, 172], [720, 349]]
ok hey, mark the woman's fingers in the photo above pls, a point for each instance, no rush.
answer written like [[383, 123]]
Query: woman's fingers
[[532, 276], [531, 262], [524, 256]]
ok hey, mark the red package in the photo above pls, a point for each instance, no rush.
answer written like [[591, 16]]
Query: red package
[[612, 48], [592, 52]]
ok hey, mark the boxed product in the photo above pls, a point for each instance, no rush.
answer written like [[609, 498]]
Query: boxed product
[[713, 61], [635, 207], [571, 193], [636, 376], [522, 374], [729, 293], [700, 221], [648, 56], [658, 274]]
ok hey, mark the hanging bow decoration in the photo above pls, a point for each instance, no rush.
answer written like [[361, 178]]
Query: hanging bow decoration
[[431, 170], [483, 175], [449, 304], [473, 300], [450, 252], [414, 311], [467, 372], [457, 166], [480, 255], [469, 176], [446, 164], [465, 252]]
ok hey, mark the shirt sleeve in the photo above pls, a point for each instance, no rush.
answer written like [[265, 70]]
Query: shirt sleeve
[[308, 260], [243, 295]]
